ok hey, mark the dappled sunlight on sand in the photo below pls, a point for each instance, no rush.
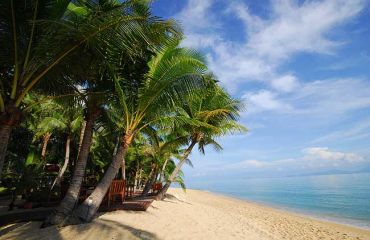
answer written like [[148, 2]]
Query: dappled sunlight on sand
[[196, 215]]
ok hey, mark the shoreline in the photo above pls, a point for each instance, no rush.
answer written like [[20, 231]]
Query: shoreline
[[302, 213], [196, 215]]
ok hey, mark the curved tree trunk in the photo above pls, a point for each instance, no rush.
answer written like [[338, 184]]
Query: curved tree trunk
[[137, 176], [139, 179], [162, 193], [58, 179], [5, 131], [161, 178], [89, 207], [146, 185], [82, 134], [68, 203], [150, 182], [8, 119], [45, 142], [123, 166]]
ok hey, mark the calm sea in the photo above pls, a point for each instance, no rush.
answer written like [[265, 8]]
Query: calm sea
[[341, 198]]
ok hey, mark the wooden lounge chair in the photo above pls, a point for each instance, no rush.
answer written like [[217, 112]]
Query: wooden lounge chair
[[116, 188]]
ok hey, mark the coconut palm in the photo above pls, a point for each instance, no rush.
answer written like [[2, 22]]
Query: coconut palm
[[126, 45], [217, 111], [40, 39], [48, 116], [160, 151], [71, 123], [37, 113], [172, 73]]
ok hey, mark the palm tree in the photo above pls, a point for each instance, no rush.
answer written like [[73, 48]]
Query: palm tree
[[172, 73], [216, 113], [136, 161], [72, 120], [48, 116], [163, 147], [122, 47], [39, 38], [20, 65], [39, 112], [160, 151], [93, 108]]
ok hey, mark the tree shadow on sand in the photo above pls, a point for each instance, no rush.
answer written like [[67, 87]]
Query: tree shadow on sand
[[98, 229]]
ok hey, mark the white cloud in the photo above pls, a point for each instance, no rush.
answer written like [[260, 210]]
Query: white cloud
[[265, 101], [249, 163], [288, 28], [332, 97], [286, 83], [359, 130], [329, 98], [300, 27], [324, 154], [195, 15], [291, 28], [312, 160]]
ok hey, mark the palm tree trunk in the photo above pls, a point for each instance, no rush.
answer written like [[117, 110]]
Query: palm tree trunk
[[71, 198], [151, 179], [123, 166], [161, 178], [90, 206], [149, 184], [82, 134], [116, 146], [8, 119], [46, 139], [5, 131], [58, 179], [162, 193], [139, 180]]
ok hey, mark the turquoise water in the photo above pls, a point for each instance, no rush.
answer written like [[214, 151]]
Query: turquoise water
[[340, 198]]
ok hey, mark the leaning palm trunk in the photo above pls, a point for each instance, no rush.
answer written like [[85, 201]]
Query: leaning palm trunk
[[8, 119], [163, 169], [5, 131], [58, 179], [149, 183], [137, 178], [162, 193], [90, 206], [69, 201], [138, 186], [82, 134], [123, 166], [45, 143]]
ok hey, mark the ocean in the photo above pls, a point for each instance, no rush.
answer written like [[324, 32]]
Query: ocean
[[343, 198]]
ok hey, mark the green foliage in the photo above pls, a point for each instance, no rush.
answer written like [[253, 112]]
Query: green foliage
[[63, 61]]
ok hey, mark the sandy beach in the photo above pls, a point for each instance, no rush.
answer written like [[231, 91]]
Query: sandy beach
[[196, 215]]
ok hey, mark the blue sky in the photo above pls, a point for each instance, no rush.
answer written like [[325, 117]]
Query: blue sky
[[302, 68]]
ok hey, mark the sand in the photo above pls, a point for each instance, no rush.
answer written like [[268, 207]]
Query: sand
[[196, 215]]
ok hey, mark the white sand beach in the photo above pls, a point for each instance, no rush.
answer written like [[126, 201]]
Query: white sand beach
[[196, 215]]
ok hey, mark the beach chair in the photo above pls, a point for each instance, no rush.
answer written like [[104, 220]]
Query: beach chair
[[117, 187]]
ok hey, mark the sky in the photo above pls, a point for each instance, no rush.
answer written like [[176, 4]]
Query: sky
[[302, 69]]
